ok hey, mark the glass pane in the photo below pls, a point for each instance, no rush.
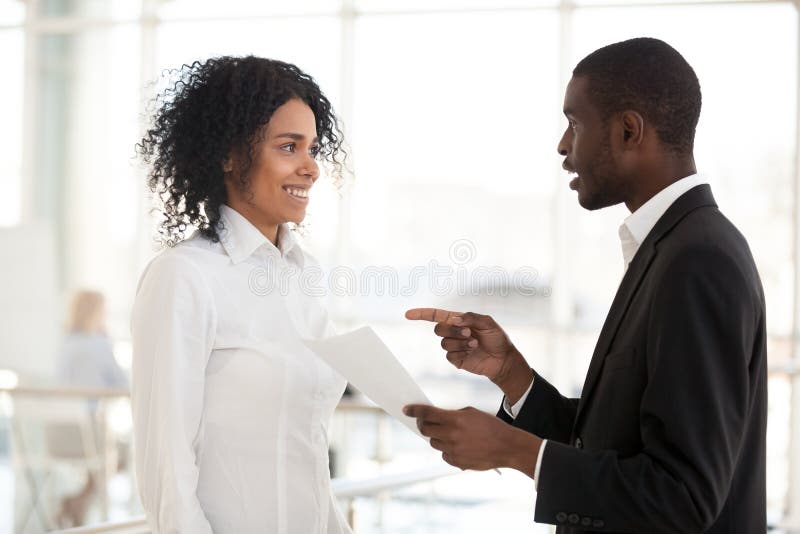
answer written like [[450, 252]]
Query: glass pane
[[12, 12], [439, 123], [625, 4], [87, 183], [176, 9], [317, 53], [447, 5], [11, 97], [113, 9], [455, 161], [778, 440]]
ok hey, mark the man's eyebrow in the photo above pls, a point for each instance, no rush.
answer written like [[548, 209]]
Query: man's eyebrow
[[295, 136]]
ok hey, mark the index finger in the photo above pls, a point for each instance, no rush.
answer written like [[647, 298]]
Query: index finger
[[434, 315]]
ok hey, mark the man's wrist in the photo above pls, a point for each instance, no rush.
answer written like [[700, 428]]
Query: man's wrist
[[515, 382], [523, 451]]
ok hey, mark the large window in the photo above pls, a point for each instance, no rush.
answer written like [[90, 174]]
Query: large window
[[452, 112], [11, 41]]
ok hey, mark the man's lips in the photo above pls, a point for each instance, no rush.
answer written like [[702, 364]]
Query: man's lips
[[573, 184]]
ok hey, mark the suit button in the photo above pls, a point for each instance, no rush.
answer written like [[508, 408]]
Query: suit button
[[578, 443], [586, 522], [574, 518], [561, 517], [598, 523]]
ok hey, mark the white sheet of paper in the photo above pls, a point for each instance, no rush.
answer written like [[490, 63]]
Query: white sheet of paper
[[366, 362]]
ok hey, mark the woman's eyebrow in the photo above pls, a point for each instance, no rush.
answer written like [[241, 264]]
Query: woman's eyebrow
[[295, 136]]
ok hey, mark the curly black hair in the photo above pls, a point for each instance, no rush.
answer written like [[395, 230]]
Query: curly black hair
[[212, 109], [650, 76]]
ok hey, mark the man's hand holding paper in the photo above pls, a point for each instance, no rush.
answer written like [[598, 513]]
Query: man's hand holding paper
[[469, 438]]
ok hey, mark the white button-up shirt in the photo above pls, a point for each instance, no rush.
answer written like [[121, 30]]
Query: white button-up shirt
[[637, 225], [230, 408]]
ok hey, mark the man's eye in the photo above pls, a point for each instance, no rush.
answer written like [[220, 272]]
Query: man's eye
[[572, 124], [288, 147]]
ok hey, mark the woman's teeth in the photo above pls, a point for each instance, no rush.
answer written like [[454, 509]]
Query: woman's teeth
[[300, 193]]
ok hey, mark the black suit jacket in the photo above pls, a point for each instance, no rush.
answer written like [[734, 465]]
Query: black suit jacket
[[669, 433]]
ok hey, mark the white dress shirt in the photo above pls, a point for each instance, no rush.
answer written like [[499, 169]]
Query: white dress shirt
[[230, 408], [632, 233], [637, 225]]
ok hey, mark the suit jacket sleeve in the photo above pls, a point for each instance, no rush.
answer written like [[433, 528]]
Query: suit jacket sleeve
[[701, 332], [545, 412]]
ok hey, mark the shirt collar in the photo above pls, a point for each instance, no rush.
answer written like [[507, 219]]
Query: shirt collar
[[241, 239], [638, 224]]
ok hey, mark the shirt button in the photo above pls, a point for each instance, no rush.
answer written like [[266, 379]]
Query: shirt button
[[561, 517], [586, 522], [578, 443], [574, 519], [598, 523]]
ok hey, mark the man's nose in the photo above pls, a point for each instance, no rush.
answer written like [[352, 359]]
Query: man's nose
[[563, 145]]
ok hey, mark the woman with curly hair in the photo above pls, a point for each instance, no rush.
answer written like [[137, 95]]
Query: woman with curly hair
[[230, 409]]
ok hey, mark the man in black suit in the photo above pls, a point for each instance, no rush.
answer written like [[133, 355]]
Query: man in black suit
[[668, 435]]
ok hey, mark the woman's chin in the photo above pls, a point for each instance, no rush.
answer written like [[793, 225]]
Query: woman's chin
[[298, 218]]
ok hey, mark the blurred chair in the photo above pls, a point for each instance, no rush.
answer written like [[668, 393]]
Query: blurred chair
[[54, 440], [85, 360]]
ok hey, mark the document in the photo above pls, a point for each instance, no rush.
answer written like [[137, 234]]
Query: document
[[366, 362]]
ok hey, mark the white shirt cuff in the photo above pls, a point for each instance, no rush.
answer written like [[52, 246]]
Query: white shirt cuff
[[513, 411], [538, 465]]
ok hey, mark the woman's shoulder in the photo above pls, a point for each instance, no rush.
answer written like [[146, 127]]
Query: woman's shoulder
[[191, 254], [185, 264]]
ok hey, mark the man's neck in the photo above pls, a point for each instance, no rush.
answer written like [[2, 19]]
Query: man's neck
[[660, 176]]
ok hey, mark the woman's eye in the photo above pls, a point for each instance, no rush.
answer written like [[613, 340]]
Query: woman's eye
[[314, 150], [288, 147]]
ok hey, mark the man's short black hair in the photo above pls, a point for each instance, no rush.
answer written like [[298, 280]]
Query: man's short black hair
[[649, 76]]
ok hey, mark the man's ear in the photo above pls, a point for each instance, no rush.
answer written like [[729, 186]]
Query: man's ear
[[632, 128]]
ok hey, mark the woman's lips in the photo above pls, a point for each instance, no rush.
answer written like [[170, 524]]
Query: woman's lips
[[297, 194]]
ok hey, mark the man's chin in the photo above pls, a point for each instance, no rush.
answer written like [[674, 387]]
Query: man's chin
[[587, 202], [593, 202]]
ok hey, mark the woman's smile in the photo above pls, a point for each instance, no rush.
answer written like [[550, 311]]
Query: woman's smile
[[298, 193]]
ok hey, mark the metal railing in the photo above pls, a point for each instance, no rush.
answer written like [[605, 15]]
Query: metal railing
[[343, 488], [134, 526]]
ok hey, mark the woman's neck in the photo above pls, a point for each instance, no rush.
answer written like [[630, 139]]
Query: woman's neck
[[268, 229]]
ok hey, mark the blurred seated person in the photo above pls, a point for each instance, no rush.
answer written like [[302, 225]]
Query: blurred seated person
[[85, 359]]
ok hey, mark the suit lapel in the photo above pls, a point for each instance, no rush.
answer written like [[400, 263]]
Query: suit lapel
[[627, 289], [694, 198]]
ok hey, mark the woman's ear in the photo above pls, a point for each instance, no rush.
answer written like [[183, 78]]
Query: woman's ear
[[227, 165]]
